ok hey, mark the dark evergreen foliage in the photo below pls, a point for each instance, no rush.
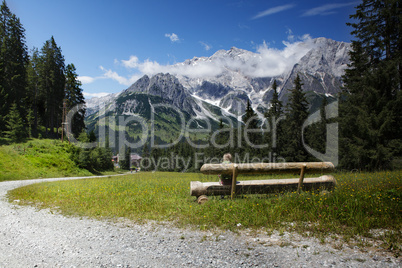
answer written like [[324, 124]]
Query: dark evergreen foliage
[[73, 97], [51, 86], [14, 127], [32, 90], [13, 61], [251, 133], [94, 159], [370, 113], [273, 119], [125, 161], [296, 113], [316, 134]]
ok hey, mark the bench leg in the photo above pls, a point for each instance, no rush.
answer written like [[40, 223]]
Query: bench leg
[[300, 185], [234, 180]]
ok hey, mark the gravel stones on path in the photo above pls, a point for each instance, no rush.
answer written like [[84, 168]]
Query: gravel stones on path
[[39, 238]]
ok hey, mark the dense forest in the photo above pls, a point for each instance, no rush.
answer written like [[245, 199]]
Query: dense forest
[[33, 86], [360, 130]]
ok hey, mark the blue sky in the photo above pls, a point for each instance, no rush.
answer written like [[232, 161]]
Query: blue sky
[[114, 42]]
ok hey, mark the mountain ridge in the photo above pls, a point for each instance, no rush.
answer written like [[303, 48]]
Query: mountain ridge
[[222, 84]]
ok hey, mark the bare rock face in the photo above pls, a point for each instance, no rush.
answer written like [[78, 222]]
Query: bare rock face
[[321, 68], [235, 102], [167, 87]]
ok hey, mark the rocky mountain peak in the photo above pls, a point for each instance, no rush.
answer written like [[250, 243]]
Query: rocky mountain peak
[[165, 86], [238, 76], [233, 53]]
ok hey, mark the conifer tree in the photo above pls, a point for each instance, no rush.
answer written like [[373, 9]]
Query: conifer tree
[[370, 113], [250, 117], [146, 161], [74, 96], [13, 61], [273, 118], [125, 162], [250, 121], [32, 100], [51, 85], [15, 127], [316, 133], [297, 112]]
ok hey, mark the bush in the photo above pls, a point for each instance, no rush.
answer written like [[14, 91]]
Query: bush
[[94, 159]]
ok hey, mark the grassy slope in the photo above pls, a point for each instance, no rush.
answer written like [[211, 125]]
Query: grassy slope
[[37, 159], [360, 203]]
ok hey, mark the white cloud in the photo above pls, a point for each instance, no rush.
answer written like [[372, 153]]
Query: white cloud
[[173, 37], [131, 63], [270, 62], [96, 95], [206, 46], [109, 74], [86, 79], [326, 9], [272, 10], [290, 34], [266, 62]]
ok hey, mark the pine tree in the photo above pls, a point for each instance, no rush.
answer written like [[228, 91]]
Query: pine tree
[[15, 127], [32, 97], [370, 113], [250, 117], [74, 96], [297, 112], [13, 61], [127, 158], [250, 120], [92, 136], [51, 85], [316, 133], [146, 161], [273, 118], [125, 162]]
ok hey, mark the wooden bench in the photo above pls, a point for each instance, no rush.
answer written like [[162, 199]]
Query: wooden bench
[[201, 190]]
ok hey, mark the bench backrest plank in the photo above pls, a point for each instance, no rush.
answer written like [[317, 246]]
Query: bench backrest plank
[[268, 168]]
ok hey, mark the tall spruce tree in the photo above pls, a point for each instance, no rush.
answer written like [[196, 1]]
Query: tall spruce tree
[[126, 164], [73, 97], [51, 85], [316, 133], [273, 118], [15, 128], [250, 120], [370, 113], [13, 61], [296, 113], [32, 93]]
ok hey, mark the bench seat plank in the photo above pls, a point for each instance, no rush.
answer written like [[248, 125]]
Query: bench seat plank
[[326, 182]]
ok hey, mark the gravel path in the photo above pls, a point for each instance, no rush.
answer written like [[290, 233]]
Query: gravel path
[[32, 238]]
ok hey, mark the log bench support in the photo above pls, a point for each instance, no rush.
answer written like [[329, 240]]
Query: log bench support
[[300, 186], [234, 180]]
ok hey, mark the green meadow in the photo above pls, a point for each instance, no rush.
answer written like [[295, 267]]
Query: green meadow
[[361, 203], [38, 158]]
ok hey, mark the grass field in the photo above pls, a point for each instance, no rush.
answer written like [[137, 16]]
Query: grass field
[[38, 158], [360, 203]]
